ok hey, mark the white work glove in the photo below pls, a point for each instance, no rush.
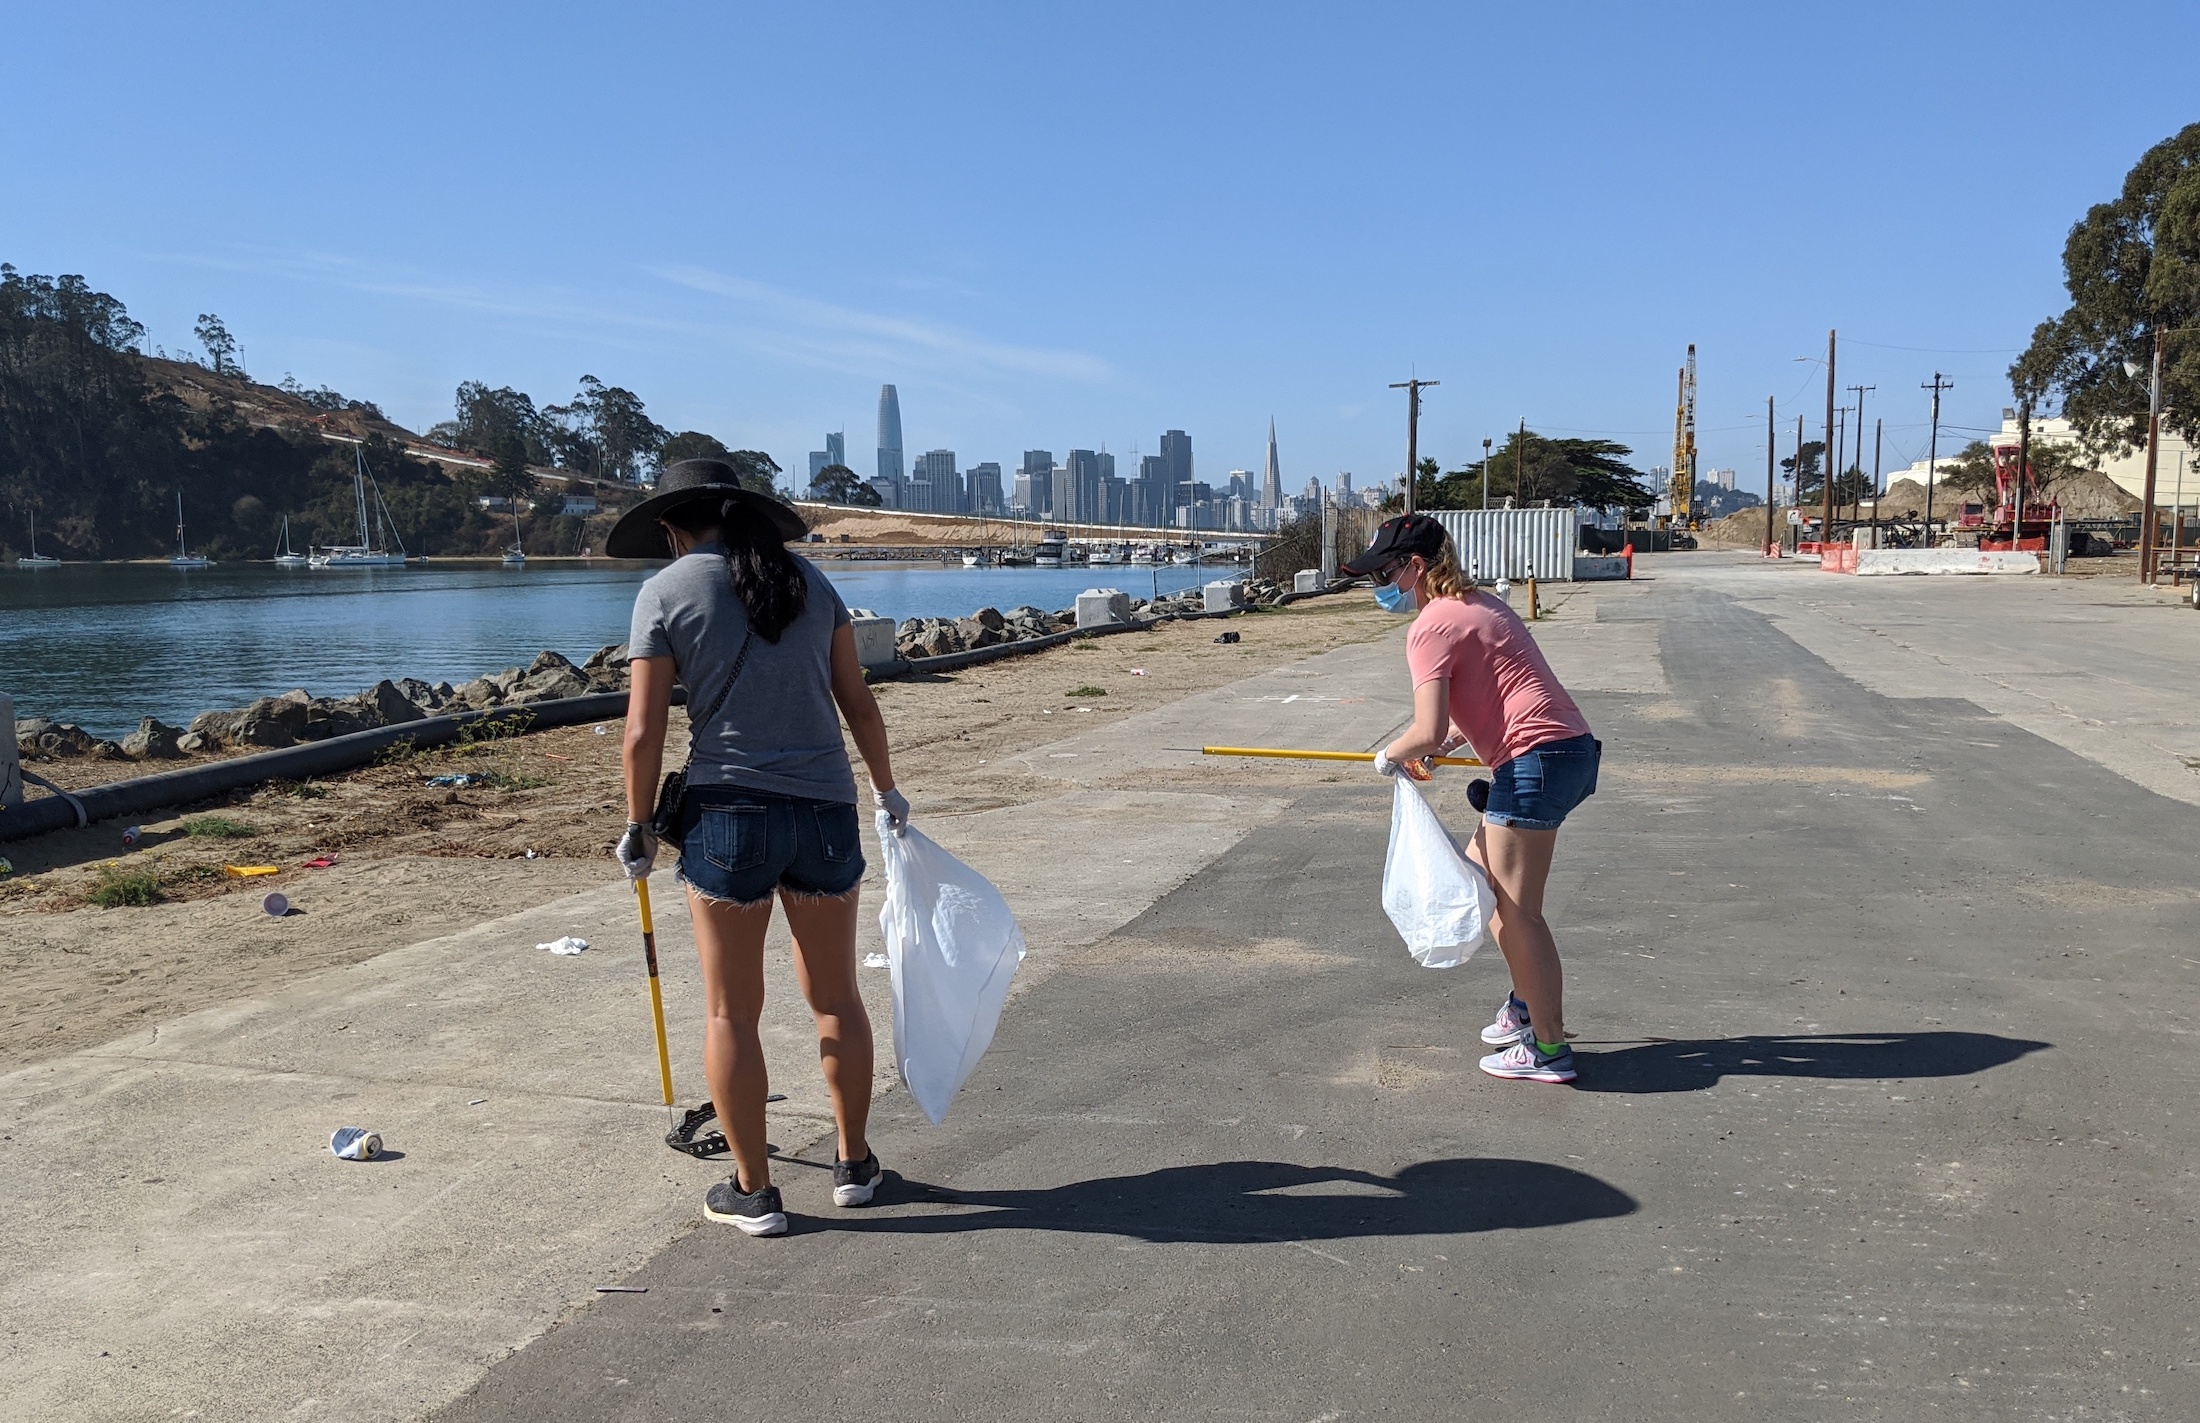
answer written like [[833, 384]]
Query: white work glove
[[637, 850], [1384, 766], [896, 806], [1411, 770]]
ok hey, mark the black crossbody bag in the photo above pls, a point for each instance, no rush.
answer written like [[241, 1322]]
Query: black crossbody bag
[[672, 795]]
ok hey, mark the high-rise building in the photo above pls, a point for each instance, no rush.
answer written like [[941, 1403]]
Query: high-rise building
[[935, 487], [1078, 501], [1344, 486], [1176, 454], [889, 439], [1271, 483], [836, 448], [818, 460], [1037, 478], [984, 488]]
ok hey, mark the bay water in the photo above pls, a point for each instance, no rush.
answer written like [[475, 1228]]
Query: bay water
[[105, 644]]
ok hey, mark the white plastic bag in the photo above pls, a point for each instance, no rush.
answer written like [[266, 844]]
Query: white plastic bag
[[953, 947], [1437, 897]]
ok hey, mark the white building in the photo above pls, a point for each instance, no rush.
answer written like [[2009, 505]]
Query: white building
[[2129, 470]]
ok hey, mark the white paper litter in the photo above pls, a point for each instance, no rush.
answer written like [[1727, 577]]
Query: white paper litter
[[567, 945], [877, 961]]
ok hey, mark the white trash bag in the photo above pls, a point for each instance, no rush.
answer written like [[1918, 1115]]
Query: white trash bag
[[1437, 897], [953, 947]]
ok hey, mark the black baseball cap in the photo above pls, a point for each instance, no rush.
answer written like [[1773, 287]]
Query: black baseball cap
[[1402, 537]]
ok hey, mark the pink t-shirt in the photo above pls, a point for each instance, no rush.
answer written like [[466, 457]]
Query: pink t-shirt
[[1503, 694]]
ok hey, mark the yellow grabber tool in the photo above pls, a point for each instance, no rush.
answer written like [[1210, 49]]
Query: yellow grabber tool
[[1286, 755], [682, 1137]]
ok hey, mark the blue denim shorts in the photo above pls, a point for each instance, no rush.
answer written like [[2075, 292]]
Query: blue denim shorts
[[1537, 789], [741, 845]]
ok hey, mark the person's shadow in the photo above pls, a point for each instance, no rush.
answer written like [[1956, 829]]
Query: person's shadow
[[1693, 1064], [1253, 1202]]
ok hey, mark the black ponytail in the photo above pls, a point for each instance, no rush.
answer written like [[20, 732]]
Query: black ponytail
[[766, 578]]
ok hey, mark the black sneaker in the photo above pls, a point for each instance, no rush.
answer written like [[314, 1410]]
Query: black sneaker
[[750, 1212], [855, 1181]]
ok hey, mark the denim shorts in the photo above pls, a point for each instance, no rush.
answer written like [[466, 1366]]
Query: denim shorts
[[741, 845], [1537, 789]]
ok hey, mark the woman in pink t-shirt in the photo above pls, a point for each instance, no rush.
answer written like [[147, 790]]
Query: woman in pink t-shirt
[[1479, 680]]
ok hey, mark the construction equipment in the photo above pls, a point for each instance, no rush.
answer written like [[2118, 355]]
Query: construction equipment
[[2019, 519], [1682, 494]]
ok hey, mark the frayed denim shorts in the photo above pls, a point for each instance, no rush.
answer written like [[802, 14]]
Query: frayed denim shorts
[[739, 846], [1540, 787]]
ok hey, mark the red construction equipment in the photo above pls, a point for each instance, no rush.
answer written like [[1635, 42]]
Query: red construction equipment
[[2016, 501]]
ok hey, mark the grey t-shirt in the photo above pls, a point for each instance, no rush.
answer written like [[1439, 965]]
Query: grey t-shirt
[[778, 729]]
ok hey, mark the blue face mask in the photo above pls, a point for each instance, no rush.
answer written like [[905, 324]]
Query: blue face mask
[[1394, 599]]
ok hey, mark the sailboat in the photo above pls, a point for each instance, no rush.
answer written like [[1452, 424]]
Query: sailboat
[[515, 556], [284, 558], [184, 558], [363, 554], [35, 559]]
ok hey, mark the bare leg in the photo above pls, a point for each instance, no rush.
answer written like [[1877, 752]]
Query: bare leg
[[729, 942], [825, 964], [1518, 862]]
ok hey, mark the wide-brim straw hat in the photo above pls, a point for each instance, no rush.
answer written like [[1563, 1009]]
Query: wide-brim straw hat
[[636, 535]]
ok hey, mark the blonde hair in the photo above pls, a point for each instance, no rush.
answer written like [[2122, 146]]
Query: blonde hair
[[1441, 579]]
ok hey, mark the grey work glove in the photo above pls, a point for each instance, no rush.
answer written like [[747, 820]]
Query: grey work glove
[[637, 850], [896, 806]]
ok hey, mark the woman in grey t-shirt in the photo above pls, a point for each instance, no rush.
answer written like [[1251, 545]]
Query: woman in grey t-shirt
[[763, 645]]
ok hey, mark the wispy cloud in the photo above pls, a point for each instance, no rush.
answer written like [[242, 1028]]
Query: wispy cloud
[[840, 331]]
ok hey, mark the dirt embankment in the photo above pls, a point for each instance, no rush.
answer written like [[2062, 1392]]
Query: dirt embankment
[[535, 822]]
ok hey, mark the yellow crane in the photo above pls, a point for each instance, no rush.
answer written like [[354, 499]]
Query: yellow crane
[[1683, 484]]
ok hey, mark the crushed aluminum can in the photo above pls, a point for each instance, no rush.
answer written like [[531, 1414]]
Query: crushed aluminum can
[[355, 1143]]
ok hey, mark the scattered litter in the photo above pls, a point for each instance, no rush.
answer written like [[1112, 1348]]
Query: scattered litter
[[320, 862], [250, 871], [458, 780], [477, 1101], [355, 1144], [533, 856], [276, 905], [603, 731], [567, 945], [877, 961], [622, 1289], [131, 836], [775, 1097], [6, 868], [1227, 637], [1138, 671]]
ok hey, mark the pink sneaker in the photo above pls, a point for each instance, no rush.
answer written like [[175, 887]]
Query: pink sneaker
[[1512, 1021], [1525, 1062]]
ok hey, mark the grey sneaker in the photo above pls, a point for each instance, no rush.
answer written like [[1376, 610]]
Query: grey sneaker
[[750, 1212], [854, 1182], [1525, 1062], [1511, 1022]]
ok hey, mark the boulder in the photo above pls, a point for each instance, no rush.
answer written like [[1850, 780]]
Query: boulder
[[342, 717], [154, 740], [547, 662], [419, 693], [479, 694], [1025, 613], [554, 686], [390, 705], [988, 618], [109, 751], [612, 658], [972, 633], [191, 743], [506, 680]]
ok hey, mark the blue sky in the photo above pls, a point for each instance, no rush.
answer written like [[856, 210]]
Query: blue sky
[[1054, 227]]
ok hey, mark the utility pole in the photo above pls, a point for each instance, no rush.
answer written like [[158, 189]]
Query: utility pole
[[2154, 448], [1772, 504], [1795, 485], [1520, 445], [1825, 529], [1879, 436], [1860, 389], [2024, 471], [1485, 471], [1841, 442], [1932, 457], [1413, 389]]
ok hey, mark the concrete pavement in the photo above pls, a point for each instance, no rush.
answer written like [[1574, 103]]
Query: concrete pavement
[[1884, 1113]]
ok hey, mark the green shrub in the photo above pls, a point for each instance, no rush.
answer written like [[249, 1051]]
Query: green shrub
[[218, 827], [1086, 692], [118, 886]]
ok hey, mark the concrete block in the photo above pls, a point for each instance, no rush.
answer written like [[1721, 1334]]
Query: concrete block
[[1590, 567], [1103, 607], [1891, 561], [1306, 580], [874, 638], [1224, 597]]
